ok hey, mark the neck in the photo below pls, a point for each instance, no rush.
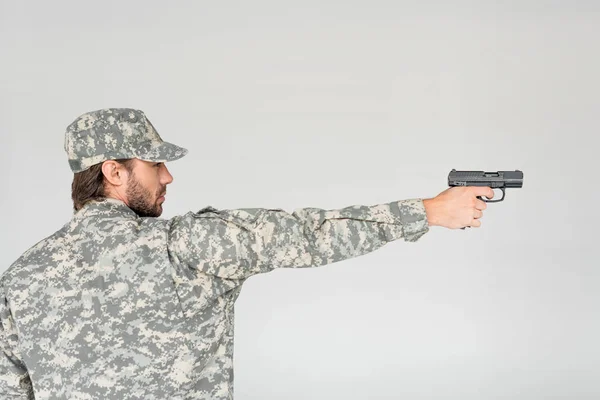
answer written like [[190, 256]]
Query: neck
[[112, 193]]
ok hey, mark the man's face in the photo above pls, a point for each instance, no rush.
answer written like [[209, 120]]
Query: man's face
[[146, 188]]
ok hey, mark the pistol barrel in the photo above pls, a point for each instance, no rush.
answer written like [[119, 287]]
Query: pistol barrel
[[499, 179]]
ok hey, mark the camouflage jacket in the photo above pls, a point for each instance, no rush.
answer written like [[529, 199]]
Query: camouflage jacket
[[114, 306]]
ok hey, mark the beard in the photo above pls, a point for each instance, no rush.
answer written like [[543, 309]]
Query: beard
[[141, 200]]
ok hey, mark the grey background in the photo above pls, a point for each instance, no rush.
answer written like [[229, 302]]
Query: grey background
[[330, 104]]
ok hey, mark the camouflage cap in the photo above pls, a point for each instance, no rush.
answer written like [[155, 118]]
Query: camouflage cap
[[115, 133]]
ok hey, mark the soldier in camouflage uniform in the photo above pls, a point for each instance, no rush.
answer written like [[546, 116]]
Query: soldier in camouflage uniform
[[120, 304]]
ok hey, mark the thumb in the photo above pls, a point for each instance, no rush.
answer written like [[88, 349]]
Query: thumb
[[483, 191]]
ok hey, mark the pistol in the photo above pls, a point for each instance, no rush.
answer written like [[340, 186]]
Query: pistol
[[495, 180]]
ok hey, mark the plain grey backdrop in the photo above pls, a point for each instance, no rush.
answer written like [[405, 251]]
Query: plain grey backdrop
[[331, 104]]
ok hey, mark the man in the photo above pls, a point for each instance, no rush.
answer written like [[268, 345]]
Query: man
[[119, 304]]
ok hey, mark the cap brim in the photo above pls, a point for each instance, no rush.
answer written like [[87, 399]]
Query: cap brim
[[163, 152]]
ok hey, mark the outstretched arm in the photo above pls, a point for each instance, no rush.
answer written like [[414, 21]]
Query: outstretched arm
[[236, 244]]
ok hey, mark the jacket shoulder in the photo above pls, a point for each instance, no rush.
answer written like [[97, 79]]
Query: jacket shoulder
[[32, 255]]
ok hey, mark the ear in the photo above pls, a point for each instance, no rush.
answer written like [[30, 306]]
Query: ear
[[115, 173]]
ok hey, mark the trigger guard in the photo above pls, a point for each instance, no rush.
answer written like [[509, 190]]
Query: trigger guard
[[485, 199]]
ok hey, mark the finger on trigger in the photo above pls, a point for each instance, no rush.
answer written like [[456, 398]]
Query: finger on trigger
[[485, 191]]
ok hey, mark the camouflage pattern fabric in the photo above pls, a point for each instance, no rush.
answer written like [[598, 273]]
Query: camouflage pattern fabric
[[115, 133], [114, 306]]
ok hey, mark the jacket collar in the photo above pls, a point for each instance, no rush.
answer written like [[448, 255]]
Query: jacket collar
[[106, 208]]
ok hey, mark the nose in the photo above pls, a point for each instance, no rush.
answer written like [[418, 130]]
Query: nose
[[166, 176]]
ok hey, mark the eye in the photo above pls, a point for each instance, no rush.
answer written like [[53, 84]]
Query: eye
[[158, 164]]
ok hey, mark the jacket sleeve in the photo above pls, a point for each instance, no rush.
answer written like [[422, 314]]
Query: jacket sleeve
[[236, 244], [14, 378]]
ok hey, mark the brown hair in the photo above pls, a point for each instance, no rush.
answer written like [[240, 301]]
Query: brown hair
[[88, 185]]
